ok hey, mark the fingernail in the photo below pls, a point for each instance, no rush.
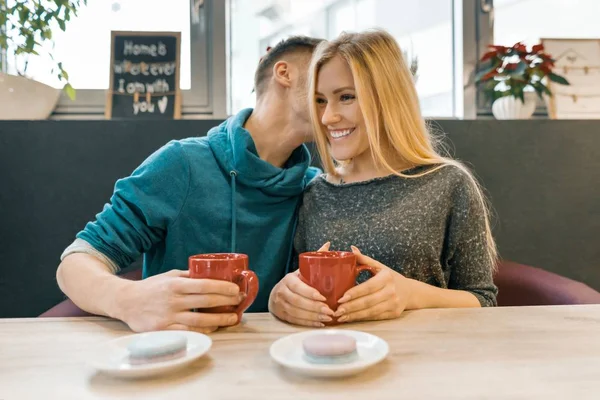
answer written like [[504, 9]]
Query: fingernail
[[233, 319], [343, 318], [326, 311], [344, 299], [319, 296], [340, 311], [318, 325], [325, 318], [242, 296]]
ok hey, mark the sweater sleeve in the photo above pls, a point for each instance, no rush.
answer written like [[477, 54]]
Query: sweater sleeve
[[471, 269], [142, 207]]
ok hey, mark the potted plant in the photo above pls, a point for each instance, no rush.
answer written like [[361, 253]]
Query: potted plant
[[25, 26], [510, 77]]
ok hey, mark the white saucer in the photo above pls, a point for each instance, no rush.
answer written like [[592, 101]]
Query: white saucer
[[112, 357], [289, 353]]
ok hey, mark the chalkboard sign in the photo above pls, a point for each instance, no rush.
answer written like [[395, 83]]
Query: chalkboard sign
[[144, 75]]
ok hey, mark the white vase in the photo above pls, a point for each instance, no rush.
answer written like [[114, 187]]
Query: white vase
[[24, 99], [510, 107]]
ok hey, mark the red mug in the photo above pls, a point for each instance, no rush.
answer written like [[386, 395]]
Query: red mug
[[332, 273], [231, 267]]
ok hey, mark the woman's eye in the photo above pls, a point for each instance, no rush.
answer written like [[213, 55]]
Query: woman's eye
[[320, 101], [346, 97]]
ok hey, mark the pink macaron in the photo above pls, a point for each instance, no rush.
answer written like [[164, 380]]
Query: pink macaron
[[330, 348]]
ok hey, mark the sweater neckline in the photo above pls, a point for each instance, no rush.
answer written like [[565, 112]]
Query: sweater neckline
[[409, 171]]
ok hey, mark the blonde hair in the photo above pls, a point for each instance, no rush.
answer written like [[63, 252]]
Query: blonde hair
[[388, 99]]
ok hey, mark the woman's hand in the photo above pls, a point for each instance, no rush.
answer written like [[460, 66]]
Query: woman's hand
[[384, 296], [296, 302]]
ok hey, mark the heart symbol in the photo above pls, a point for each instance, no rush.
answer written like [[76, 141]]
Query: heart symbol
[[162, 104]]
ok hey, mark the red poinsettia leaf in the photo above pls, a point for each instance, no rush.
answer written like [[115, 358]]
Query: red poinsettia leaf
[[537, 48], [497, 47], [519, 46]]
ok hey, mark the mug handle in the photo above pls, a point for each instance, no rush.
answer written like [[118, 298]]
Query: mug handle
[[361, 268], [249, 285]]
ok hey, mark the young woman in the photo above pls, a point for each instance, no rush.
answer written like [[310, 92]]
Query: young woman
[[419, 216]]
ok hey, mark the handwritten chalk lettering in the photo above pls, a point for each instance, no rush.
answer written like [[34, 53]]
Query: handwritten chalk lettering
[[162, 104], [162, 49], [135, 87], [143, 49], [167, 69], [149, 107], [158, 86], [143, 107], [154, 69]]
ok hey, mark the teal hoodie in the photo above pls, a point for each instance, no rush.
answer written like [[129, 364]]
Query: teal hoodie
[[208, 194]]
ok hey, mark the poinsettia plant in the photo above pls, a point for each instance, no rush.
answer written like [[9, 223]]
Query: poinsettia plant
[[511, 71]]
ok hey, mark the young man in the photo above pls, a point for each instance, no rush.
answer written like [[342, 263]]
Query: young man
[[235, 190]]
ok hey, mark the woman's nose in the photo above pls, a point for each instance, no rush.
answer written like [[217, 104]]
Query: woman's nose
[[330, 116]]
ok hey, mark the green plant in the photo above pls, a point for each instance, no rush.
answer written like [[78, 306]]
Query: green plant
[[413, 63], [511, 71], [26, 24]]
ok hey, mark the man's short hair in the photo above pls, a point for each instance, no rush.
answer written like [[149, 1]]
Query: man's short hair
[[293, 44]]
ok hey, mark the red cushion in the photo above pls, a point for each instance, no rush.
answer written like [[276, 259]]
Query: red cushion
[[523, 285]]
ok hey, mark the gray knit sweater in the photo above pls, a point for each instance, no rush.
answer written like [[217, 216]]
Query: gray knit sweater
[[430, 228]]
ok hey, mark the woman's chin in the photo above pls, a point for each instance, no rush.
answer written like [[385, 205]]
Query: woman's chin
[[342, 155]]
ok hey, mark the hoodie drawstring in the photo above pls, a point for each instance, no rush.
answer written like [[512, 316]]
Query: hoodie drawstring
[[233, 211], [288, 264]]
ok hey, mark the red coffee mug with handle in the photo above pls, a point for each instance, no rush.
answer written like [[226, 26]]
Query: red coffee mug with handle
[[332, 273], [231, 267]]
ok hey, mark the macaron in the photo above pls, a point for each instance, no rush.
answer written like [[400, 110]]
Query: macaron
[[332, 348], [156, 347]]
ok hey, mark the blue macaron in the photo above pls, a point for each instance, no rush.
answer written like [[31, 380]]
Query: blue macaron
[[157, 347]]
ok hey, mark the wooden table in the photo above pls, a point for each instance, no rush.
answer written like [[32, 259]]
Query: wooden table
[[501, 353]]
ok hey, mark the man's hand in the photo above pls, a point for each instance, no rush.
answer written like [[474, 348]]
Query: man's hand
[[165, 302]]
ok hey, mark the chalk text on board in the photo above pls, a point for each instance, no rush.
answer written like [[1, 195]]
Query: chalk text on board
[[158, 86], [142, 49], [149, 107], [154, 69]]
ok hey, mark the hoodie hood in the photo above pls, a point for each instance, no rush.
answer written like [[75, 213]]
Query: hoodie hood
[[236, 154]]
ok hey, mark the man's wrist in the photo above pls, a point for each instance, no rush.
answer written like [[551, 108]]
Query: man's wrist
[[118, 297]]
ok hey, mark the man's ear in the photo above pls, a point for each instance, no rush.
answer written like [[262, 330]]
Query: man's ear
[[282, 73]]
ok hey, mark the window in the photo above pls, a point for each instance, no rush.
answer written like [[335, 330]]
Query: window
[[424, 30], [556, 19], [84, 50], [544, 19]]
